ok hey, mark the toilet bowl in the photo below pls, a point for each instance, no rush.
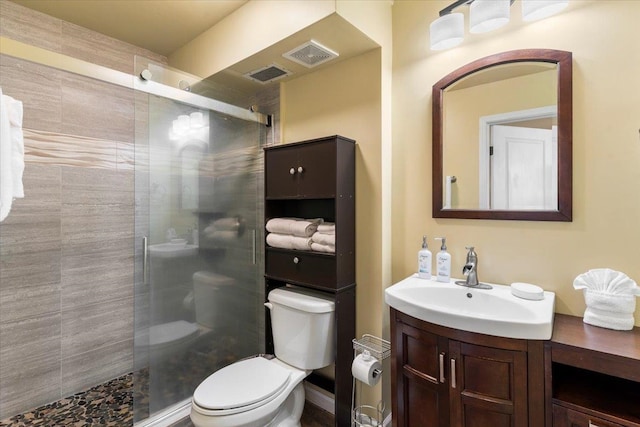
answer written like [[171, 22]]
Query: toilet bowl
[[261, 392], [250, 393]]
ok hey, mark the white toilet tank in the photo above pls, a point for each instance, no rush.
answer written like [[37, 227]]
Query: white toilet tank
[[303, 327], [214, 298]]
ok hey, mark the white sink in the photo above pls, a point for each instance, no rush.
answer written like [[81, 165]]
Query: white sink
[[493, 311], [172, 250]]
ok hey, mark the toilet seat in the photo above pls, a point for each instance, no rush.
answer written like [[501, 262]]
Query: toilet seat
[[234, 389]]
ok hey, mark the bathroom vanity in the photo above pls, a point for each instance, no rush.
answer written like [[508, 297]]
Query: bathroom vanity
[[316, 179], [584, 376], [449, 377]]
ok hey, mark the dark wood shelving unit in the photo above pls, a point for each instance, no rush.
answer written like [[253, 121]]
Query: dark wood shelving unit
[[316, 179], [592, 375]]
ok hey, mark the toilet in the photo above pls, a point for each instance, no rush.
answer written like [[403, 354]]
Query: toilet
[[262, 392]]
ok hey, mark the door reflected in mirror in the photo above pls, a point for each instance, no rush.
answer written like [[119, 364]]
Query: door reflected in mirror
[[502, 138]]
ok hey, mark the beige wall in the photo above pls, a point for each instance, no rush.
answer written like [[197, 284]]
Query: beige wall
[[606, 153]]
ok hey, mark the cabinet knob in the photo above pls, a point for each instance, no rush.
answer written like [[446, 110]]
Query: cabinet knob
[[296, 260], [591, 424], [292, 171], [300, 169]]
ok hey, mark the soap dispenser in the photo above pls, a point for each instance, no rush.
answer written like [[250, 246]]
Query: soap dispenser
[[443, 262], [424, 260]]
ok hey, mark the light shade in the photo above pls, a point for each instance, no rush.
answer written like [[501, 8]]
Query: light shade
[[487, 15], [447, 31], [538, 9]]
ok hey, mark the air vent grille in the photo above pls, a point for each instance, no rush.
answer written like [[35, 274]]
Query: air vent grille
[[268, 74], [311, 54]]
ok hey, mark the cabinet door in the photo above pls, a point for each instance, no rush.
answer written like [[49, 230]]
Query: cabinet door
[[281, 176], [301, 171], [422, 390], [488, 386], [564, 417], [316, 169]]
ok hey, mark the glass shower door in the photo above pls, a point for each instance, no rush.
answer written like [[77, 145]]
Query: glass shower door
[[198, 286]]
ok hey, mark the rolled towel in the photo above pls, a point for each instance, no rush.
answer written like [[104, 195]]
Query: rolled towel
[[286, 241], [294, 226], [327, 228], [324, 239], [319, 247]]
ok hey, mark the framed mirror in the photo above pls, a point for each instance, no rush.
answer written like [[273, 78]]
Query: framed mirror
[[502, 138]]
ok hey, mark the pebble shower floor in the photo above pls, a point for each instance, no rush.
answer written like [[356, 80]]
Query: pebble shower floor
[[108, 404]]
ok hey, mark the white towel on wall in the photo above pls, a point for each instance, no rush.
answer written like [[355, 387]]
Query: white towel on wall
[[11, 153]]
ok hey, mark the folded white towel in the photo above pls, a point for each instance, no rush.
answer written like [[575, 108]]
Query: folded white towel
[[294, 226], [324, 239], [327, 228], [319, 247], [11, 153], [287, 241], [610, 297]]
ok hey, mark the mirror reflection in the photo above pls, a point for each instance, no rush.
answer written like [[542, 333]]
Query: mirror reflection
[[500, 139]]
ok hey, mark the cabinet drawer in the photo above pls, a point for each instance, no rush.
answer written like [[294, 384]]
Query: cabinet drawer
[[301, 267], [565, 417]]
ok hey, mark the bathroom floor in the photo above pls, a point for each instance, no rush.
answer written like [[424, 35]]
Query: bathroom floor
[[111, 404]]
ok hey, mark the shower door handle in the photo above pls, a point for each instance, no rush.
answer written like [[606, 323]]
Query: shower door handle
[[253, 247], [145, 261]]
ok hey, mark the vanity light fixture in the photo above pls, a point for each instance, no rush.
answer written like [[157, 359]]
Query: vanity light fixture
[[484, 15]]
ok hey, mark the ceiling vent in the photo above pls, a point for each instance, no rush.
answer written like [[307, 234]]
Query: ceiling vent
[[268, 74], [311, 54]]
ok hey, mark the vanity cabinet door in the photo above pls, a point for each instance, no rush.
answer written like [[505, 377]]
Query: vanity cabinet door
[[564, 417], [421, 390], [488, 386]]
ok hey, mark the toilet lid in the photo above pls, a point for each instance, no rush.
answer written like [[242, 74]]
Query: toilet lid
[[242, 385]]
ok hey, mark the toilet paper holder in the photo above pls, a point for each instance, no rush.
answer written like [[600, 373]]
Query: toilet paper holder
[[380, 349]]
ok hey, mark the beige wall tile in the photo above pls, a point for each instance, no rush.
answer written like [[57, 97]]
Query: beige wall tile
[[39, 89], [28, 26], [85, 370]]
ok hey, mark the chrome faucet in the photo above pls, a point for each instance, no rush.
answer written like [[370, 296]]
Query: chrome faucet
[[470, 271]]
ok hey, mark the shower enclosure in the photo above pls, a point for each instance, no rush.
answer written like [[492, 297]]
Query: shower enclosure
[[198, 227]]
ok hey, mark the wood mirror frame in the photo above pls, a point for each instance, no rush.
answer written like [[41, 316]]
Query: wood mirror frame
[[565, 125]]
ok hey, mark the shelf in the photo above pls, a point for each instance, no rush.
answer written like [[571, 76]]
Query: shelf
[[295, 252], [603, 395]]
